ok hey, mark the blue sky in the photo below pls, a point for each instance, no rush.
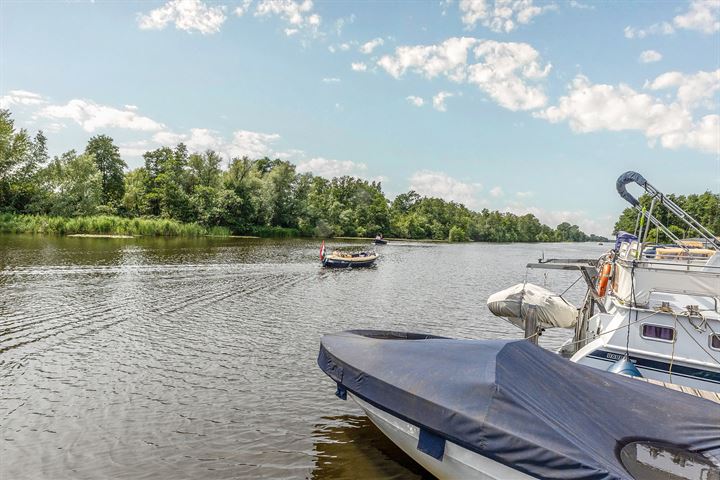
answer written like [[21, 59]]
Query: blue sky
[[515, 105]]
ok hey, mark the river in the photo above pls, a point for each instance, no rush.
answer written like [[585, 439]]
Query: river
[[195, 358]]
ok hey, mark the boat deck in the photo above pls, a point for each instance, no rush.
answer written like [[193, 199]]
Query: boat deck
[[712, 396]]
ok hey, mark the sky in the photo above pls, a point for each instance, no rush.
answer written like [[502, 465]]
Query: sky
[[514, 105]]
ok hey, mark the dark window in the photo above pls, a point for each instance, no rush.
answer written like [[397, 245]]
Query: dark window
[[658, 332], [715, 341]]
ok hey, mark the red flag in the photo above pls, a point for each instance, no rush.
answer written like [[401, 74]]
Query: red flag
[[322, 251]]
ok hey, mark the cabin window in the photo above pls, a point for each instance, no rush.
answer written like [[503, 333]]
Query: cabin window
[[715, 341], [658, 332]]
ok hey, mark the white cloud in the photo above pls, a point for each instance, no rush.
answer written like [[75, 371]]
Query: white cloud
[[367, 48], [242, 143], [441, 185], [169, 138], [439, 101], [650, 56], [417, 101], [703, 16], [330, 168], [692, 90], [581, 6], [598, 225], [134, 149], [592, 107], [663, 28], [130, 107], [91, 116], [243, 8], [252, 144], [343, 47], [526, 194], [497, 192], [341, 22], [298, 14], [505, 71], [358, 66], [54, 127], [331, 80], [502, 15], [187, 15], [21, 97]]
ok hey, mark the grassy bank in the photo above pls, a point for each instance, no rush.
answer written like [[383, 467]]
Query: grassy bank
[[104, 224]]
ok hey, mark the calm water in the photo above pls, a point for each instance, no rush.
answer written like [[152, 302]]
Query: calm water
[[147, 358]]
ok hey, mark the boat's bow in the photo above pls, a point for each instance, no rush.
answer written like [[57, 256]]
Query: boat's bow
[[515, 403]]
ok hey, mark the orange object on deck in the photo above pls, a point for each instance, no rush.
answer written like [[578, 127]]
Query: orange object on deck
[[604, 278]]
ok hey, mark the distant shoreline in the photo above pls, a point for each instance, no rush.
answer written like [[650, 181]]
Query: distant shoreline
[[115, 227]]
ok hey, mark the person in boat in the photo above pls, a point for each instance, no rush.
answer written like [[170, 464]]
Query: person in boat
[[379, 236]]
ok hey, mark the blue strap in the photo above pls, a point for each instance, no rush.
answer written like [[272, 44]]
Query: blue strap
[[433, 445], [341, 392]]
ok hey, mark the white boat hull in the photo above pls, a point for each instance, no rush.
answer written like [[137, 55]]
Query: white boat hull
[[457, 462]]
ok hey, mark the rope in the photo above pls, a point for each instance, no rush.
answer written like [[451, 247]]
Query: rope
[[699, 344], [672, 354], [632, 295], [620, 327], [536, 334], [571, 285]]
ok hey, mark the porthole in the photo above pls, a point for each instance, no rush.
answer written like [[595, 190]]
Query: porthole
[[715, 341], [657, 332]]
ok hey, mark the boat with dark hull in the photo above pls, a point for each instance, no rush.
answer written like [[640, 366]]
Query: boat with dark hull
[[354, 260], [509, 409], [340, 259]]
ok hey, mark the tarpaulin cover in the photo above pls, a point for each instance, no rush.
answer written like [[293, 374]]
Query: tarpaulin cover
[[520, 301], [516, 403]]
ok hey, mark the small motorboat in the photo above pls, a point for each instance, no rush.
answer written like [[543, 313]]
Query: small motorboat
[[339, 259], [496, 409], [379, 240]]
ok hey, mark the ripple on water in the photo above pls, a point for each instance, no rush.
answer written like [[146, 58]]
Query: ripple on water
[[196, 358]]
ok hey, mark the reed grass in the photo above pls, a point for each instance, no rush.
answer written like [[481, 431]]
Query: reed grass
[[104, 224]]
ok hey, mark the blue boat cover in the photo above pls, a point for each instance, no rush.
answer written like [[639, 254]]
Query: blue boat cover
[[516, 403]]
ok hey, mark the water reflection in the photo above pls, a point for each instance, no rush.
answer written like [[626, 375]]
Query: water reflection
[[654, 461], [177, 358], [349, 447]]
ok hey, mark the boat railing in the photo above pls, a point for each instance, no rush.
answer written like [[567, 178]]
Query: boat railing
[[679, 265]]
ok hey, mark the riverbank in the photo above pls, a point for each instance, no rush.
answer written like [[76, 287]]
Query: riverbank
[[105, 225], [123, 227]]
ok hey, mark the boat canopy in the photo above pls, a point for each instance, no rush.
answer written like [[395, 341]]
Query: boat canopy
[[523, 300], [516, 403]]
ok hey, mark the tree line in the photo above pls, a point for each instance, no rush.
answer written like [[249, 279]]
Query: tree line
[[704, 207], [250, 196]]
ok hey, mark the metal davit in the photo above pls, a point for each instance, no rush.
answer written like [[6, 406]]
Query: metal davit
[[657, 196]]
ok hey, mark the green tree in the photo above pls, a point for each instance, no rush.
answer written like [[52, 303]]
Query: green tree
[[72, 186], [134, 201], [111, 167]]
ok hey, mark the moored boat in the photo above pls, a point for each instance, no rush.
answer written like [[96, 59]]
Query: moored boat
[[651, 305], [509, 409]]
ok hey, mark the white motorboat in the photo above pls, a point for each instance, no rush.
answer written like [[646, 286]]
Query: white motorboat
[[654, 307]]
